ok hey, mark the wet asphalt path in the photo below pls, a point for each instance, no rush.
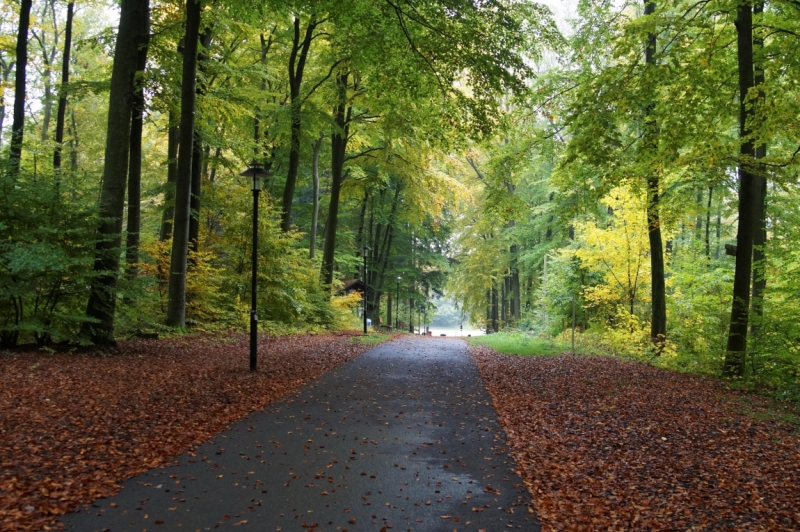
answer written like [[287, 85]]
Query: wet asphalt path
[[403, 437]]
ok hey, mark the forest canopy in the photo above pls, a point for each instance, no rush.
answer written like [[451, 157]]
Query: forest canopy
[[639, 166]]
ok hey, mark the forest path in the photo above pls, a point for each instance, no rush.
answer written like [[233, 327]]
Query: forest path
[[403, 437]]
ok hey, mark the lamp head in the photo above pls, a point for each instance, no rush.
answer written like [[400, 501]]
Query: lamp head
[[255, 171]]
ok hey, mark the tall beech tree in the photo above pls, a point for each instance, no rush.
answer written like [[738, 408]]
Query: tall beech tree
[[658, 319], [342, 115], [315, 200], [101, 306], [748, 195], [135, 165], [176, 309], [61, 113], [297, 65], [21, 61], [197, 147], [760, 152]]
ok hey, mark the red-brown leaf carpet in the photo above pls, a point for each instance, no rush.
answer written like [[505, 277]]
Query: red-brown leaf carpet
[[74, 425], [605, 444]]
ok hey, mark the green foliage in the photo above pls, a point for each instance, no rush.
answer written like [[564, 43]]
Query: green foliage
[[46, 238]]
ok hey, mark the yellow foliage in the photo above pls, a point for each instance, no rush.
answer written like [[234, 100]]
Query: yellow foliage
[[619, 251]]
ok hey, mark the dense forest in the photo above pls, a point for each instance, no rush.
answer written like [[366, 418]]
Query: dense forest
[[635, 172]]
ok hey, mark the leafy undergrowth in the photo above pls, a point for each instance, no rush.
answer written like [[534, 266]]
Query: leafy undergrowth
[[73, 426], [606, 444]]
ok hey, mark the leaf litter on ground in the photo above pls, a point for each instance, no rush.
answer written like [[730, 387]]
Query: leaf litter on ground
[[606, 444], [72, 426]]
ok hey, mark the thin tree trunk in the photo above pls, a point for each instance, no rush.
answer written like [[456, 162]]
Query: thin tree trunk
[[173, 142], [296, 68], [48, 56], [737, 336], [504, 301], [516, 292], [62, 93], [101, 306], [338, 149], [73, 143], [18, 124], [708, 223], [389, 308], [176, 308], [658, 322], [495, 325], [135, 164], [212, 176], [197, 149], [196, 188], [759, 177], [315, 207]]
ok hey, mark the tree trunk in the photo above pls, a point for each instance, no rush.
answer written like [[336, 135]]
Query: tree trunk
[[197, 149], [73, 143], [48, 56], [103, 291], [737, 335], [18, 125], [135, 164], [296, 68], [516, 292], [173, 141], [389, 308], [411, 315], [338, 149], [760, 185], [658, 322], [504, 301], [708, 223], [495, 326], [176, 308], [61, 113], [315, 207], [488, 311]]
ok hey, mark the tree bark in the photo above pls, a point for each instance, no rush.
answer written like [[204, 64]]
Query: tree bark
[[197, 148], [495, 325], [658, 321], [18, 124], [173, 141], [101, 306], [708, 223], [760, 185], [315, 207], [48, 56], [135, 161], [61, 113], [734, 364], [296, 68], [338, 149], [176, 308]]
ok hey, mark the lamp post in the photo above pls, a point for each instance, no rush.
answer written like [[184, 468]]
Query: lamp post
[[365, 250], [397, 305], [256, 171], [411, 316]]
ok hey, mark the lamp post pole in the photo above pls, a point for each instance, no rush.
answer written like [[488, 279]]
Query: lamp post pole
[[411, 316], [366, 250], [254, 284], [256, 171], [397, 305]]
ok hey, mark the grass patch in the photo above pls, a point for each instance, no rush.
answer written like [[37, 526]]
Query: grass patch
[[520, 343], [373, 338], [762, 408]]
